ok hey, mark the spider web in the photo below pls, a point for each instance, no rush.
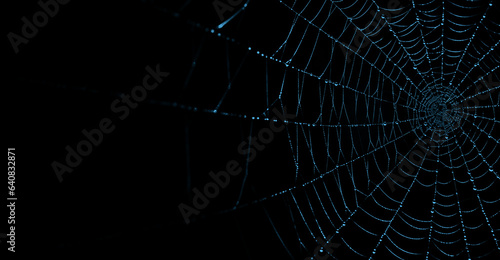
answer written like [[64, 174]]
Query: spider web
[[370, 83]]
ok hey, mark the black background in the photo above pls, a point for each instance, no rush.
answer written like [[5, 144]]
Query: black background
[[123, 197]]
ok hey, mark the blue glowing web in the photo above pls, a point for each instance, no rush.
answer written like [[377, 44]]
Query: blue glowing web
[[395, 141]]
